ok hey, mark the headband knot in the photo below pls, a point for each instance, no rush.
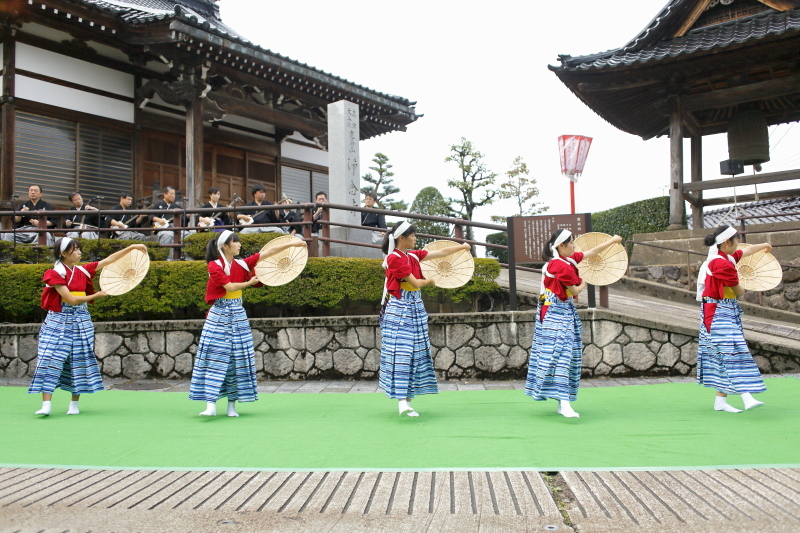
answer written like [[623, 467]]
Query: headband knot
[[563, 236], [397, 231], [224, 236], [713, 250]]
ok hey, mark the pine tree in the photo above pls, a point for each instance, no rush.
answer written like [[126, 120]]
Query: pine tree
[[382, 185], [520, 186], [429, 201]]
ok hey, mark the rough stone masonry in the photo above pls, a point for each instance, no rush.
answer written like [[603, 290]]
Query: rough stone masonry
[[472, 345]]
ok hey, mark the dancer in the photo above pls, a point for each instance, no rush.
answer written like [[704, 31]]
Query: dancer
[[554, 370], [406, 363], [66, 357], [723, 360], [225, 362]]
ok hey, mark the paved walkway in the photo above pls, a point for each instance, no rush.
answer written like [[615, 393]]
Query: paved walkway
[[59, 500]]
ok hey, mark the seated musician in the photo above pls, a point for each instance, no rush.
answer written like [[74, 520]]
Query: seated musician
[[267, 216], [127, 223], [214, 219], [81, 217], [290, 215], [29, 221], [168, 220]]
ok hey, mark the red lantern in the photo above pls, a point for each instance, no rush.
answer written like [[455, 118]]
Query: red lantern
[[573, 150]]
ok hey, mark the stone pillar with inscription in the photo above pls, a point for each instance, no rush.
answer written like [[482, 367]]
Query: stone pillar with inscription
[[345, 177]]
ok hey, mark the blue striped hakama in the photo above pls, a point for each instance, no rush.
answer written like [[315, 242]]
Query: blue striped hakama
[[723, 360], [554, 369], [225, 361], [65, 354], [406, 361]]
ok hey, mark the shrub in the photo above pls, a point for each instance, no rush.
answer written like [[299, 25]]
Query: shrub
[[93, 250], [499, 253], [645, 216], [194, 246], [176, 290]]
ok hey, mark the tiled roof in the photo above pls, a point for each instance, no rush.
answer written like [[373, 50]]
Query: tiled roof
[[699, 40], [141, 12], [717, 217]]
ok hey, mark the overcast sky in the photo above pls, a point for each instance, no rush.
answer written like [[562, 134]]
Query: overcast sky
[[479, 70]]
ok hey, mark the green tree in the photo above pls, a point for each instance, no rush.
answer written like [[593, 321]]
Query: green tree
[[429, 201], [474, 176], [382, 184], [521, 187]]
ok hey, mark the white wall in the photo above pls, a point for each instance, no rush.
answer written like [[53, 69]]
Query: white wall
[[308, 154], [67, 98]]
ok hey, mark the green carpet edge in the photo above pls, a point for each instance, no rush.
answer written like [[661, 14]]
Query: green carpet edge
[[458, 469]]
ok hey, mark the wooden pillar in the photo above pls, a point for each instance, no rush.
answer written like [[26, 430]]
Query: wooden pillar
[[8, 119], [194, 150], [676, 220], [697, 175]]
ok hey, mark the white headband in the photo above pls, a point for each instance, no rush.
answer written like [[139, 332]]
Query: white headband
[[224, 236], [396, 232], [65, 243], [713, 250], [565, 235]]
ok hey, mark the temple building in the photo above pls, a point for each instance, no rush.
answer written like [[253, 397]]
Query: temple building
[[108, 96], [701, 67]]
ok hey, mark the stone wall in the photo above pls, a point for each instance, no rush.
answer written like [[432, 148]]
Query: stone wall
[[468, 345]]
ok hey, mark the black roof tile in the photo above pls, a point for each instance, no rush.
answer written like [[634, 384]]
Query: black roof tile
[[717, 217]]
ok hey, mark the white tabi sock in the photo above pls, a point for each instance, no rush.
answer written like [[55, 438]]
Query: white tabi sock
[[721, 404], [750, 402], [406, 409], [73, 408], [565, 408], [232, 408], [211, 409], [45, 410]]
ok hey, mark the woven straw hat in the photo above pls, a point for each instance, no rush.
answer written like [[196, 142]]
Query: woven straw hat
[[606, 267], [451, 271], [760, 271], [124, 274], [283, 267]]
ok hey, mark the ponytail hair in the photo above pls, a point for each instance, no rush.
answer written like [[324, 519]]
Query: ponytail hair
[[212, 248], [711, 240], [547, 254], [385, 245]]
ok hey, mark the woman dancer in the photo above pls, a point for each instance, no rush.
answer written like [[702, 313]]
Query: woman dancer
[[66, 357], [554, 370], [225, 362], [723, 359], [406, 362]]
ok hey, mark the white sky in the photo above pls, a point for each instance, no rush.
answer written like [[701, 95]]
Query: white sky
[[479, 70]]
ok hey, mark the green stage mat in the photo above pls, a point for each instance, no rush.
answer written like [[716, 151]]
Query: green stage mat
[[634, 427]]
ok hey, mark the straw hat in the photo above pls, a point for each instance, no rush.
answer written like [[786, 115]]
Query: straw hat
[[606, 267], [760, 271], [124, 274], [283, 267], [451, 271]]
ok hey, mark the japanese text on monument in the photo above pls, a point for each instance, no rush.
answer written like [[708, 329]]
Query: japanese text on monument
[[531, 233]]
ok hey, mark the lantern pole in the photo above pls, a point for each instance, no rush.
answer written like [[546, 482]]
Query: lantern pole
[[572, 196]]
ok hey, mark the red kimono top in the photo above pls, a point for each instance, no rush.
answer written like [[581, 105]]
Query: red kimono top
[[241, 270], [722, 275], [400, 266], [565, 274], [77, 279]]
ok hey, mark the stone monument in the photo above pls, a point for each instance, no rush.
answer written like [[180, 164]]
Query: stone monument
[[345, 176]]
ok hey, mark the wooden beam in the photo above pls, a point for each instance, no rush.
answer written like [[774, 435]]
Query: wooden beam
[[692, 199], [692, 125], [7, 117], [276, 117], [691, 19], [588, 86], [762, 90], [697, 177], [726, 200], [676, 165], [194, 149], [769, 177]]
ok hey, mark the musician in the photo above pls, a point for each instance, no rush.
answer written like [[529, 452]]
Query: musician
[[80, 217], [290, 215], [214, 219], [268, 216], [168, 203], [126, 222], [27, 221], [373, 220], [320, 198]]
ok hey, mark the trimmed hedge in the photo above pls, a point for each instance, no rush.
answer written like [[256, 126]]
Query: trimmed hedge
[[645, 216], [93, 250], [176, 290], [194, 245]]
